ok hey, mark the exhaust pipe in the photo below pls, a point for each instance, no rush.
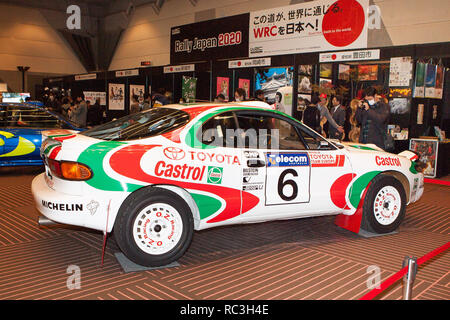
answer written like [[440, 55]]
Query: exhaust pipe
[[45, 222]]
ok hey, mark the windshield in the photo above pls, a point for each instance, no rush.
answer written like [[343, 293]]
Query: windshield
[[140, 125]]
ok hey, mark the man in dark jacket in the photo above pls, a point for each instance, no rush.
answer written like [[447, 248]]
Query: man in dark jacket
[[373, 117], [94, 113], [311, 115], [338, 115]]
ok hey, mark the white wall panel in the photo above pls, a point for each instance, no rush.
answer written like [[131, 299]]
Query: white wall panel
[[26, 38]]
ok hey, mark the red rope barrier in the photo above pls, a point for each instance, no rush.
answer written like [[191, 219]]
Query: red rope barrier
[[397, 276]]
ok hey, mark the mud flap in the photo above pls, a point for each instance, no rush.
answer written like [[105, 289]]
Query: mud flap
[[353, 222]]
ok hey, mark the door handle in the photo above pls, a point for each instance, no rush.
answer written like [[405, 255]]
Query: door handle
[[256, 163]]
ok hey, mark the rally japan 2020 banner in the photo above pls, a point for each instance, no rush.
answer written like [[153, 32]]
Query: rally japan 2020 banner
[[323, 25], [214, 39]]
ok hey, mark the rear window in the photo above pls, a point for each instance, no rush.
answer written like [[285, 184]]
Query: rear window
[[140, 125]]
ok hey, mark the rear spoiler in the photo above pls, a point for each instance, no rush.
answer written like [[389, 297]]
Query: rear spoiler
[[52, 140]]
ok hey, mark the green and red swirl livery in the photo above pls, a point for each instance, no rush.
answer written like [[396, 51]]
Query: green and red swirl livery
[[154, 177]]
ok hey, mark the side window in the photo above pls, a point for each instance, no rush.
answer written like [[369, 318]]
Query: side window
[[214, 131], [20, 116], [314, 141], [271, 132]]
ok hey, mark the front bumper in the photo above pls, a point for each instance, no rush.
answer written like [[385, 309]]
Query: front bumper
[[94, 211], [417, 188]]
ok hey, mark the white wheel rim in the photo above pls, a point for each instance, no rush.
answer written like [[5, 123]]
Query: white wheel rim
[[157, 228], [387, 205]]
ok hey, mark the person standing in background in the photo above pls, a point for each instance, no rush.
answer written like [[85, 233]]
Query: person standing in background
[[325, 113], [220, 98], [65, 107], [159, 98], [94, 114], [338, 114], [311, 114], [373, 115], [134, 107], [78, 113], [147, 104], [239, 95], [259, 95]]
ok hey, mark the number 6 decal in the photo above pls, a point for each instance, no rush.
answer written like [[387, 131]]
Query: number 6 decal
[[288, 176], [282, 183]]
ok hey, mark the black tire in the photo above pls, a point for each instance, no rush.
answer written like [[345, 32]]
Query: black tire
[[369, 221], [132, 206]]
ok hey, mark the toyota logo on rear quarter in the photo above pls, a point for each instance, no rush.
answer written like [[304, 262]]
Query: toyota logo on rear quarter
[[174, 153]]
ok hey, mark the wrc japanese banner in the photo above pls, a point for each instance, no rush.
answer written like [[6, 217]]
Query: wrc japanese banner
[[323, 25]]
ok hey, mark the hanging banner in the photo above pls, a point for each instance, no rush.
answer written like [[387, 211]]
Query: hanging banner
[[430, 80], [350, 55], [419, 84], [92, 96], [189, 89], [439, 82], [250, 63], [182, 68], [213, 39], [87, 76], [322, 25], [127, 73], [116, 96]]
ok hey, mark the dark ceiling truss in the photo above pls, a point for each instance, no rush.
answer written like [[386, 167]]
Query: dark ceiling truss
[[103, 23]]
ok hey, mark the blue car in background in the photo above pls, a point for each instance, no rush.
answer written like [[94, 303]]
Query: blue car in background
[[21, 126]]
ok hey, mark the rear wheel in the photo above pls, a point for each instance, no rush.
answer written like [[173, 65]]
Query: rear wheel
[[384, 205], [154, 227]]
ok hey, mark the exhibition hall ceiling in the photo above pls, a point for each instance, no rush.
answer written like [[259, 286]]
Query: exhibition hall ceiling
[[93, 8]]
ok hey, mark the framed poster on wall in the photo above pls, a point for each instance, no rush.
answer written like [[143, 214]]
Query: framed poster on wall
[[428, 154], [189, 89], [116, 96], [271, 79], [245, 84], [223, 87], [137, 90]]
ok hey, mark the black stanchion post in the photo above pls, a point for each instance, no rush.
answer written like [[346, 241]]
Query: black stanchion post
[[410, 276]]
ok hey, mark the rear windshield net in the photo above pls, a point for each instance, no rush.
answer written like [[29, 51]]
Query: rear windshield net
[[140, 125]]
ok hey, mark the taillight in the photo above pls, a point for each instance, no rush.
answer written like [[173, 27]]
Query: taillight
[[55, 167], [70, 170]]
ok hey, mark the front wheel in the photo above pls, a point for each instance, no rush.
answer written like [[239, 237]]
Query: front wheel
[[384, 205], [154, 227]]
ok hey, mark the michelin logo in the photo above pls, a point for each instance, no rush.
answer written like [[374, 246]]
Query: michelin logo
[[287, 159]]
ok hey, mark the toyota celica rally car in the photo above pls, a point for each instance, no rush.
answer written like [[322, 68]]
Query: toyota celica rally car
[[156, 176]]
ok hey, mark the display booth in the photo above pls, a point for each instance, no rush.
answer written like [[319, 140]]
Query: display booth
[[260, 51]]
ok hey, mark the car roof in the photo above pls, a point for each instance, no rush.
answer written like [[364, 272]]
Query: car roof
[[24, 104], [213, 105]]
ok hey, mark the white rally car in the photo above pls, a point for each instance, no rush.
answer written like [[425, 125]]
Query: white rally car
[[156, 176]]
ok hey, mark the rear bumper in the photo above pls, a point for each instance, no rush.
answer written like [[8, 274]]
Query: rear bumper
[[90, 211]]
